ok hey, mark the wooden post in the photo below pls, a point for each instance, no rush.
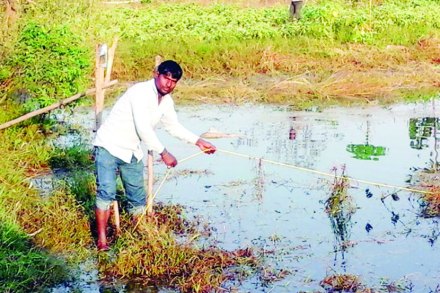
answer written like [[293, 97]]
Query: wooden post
[[103, 68], [150, 183], [10, 12], [111, 57], [100, 65], [150, 195]]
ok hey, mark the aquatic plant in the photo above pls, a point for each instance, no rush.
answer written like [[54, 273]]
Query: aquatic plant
[[72, 158], [339, 201], [259, 180], [343, 282], [366, 151], [431, 206], [339, 207]]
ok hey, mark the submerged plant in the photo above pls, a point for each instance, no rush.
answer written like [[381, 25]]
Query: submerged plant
[[340, 208], [259, 180]]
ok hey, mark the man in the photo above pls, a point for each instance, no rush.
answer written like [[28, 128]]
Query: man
[[118, 142]]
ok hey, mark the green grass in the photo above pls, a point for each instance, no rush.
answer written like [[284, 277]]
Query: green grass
[[236, 43], [60, 231], [24, 268]]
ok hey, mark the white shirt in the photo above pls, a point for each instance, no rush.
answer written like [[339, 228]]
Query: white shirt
[[133, 119]]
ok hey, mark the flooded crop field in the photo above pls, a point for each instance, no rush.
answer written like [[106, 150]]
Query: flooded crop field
[[268, 188]]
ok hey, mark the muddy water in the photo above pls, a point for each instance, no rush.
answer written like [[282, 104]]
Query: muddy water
[[267, 185]]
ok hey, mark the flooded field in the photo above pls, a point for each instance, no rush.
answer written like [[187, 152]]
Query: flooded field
[[268, 184]]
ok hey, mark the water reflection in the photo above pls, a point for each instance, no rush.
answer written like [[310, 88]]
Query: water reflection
[[366, 151], [420, 131]]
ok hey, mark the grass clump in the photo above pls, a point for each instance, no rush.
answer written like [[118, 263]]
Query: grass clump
[[154, 257]]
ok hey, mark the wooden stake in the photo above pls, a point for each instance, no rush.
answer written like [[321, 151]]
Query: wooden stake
[[150, 183], [100, 65], [150, 195], [104, 65], [111, 57], [116, 218]]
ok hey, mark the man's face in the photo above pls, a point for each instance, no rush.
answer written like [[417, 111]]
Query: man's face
[[165, 83]]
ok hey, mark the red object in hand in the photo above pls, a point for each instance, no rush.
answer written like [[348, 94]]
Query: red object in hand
[[168, 159], [206, 146]]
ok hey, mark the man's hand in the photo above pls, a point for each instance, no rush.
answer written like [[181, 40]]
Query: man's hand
[[206, 146], [168, 158]]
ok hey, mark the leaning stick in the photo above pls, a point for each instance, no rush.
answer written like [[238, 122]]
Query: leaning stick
[[54, 106], [150, 195]]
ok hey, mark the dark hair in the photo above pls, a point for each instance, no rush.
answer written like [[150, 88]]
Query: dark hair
[[170, 67]]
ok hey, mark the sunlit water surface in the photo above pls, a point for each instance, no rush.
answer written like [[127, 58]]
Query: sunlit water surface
[[267, 185]]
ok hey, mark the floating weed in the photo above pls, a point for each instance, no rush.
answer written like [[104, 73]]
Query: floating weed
[[270, 275], [432, 202], [343, 282], [187, 173]]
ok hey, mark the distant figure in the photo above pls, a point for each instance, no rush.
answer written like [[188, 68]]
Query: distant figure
[[118, 143], [295, 8], [292, 134]]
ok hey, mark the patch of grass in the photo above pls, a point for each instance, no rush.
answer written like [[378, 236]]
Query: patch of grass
[[57, 223], [156, 258], [23, 267], [72, 158], [339, 52]]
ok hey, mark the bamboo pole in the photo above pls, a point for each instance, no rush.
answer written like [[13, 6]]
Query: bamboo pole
[[150, 195], [108, 72], [150, 183], [100, 65], [54, 106], [103, 69], [111, 57]]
